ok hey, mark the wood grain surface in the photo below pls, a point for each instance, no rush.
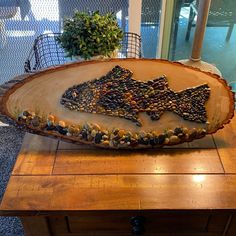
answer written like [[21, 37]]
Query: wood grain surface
[[225, 141], [138, 162], [119, 192], [36, 157]]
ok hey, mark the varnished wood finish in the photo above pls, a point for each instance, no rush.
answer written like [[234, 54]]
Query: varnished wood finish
[[225, 140], [36, 157], [18, 95], [138, 162], [119, 192], [67, 190]]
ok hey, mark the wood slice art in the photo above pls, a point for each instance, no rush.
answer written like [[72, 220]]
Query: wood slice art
[[120, 103]]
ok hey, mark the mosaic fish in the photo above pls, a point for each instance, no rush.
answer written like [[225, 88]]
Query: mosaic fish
[[118, 94]]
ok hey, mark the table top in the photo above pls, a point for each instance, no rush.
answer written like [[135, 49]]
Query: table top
[[53, 176]]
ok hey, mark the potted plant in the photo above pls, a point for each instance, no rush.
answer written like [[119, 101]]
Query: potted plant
[[88, 35]]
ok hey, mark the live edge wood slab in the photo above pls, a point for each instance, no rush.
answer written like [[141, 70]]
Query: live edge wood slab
[[62, 189], [151, 102]]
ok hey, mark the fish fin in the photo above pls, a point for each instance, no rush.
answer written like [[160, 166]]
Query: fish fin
[[119, 72], [160, 83], [191, 103]]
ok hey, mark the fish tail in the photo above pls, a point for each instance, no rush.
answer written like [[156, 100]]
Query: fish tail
[[191, 103]]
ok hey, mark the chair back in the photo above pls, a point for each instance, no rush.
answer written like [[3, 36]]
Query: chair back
[[130, 46], [47, 52], [221, 12]]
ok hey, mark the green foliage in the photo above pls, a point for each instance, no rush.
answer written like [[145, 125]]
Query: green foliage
[[90, 34]]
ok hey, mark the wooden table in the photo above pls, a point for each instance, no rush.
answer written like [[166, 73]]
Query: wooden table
[[63, 189]]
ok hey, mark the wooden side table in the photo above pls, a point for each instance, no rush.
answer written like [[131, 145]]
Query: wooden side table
[[70, 190]]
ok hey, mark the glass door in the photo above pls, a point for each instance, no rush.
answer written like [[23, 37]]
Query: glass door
[[219, 47], [145, 20], [150, 27]]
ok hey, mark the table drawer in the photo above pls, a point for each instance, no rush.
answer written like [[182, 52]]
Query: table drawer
[[148, 222], [119, 224]]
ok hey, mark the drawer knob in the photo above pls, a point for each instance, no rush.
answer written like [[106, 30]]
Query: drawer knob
[[137, 223]]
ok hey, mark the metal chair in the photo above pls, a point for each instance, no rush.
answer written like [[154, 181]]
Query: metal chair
[[222, 13], [47, 52]]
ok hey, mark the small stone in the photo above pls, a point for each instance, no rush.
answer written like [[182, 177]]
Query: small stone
[[133, 142], [35, 121], [105, 142], [174, 139], [84, 134], [62, 123], [142, 134], [115, 131], [93, 133], [22, 118], [185, 130], [105, 137], [154, 133], [127, 138], [143, 141], [201, 132], [71, 130], [112, 136], [167, 140], [51, 118], [170, 132], [61, 130], [25, 113], [74, 94], [153, 141], [50, 126], [149, 135], [90, 138], [161, 139], [104, 131], [181, 135], [76, 131], [135, 136], [32, 114], [178, 130], [121, 133], [193, 133], [98, 138], [185, 114]]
